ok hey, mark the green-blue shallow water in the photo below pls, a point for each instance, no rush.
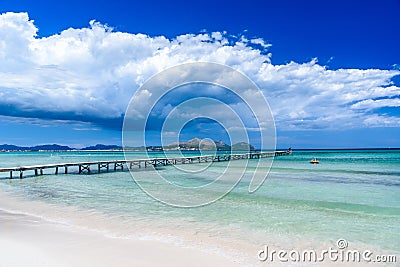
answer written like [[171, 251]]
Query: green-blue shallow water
[[351, 194]]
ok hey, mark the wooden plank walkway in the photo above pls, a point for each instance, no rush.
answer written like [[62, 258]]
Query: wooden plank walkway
[[89, 166]]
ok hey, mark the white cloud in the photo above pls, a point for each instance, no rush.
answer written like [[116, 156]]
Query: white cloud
[[373, 104], [310, 96], [94, 71], [17, 32], [260, 42]]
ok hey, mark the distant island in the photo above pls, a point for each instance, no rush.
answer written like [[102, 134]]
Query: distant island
[[191, 145]]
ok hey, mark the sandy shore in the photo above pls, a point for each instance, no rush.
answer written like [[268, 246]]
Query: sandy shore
[[34, 233], [30, 240]]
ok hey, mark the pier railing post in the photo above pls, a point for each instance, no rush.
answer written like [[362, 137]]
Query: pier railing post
[[130, 164]]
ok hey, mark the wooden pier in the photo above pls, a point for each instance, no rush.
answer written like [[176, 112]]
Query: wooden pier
[[90, 166]]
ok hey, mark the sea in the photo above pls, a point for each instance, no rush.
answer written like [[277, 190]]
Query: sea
[[351, 195]]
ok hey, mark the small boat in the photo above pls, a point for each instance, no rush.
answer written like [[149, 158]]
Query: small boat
[[314, 161]]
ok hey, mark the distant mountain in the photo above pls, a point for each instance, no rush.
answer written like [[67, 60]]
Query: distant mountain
[[221, 146], [102, 147], [243, 146], [52, 147], [55, 147], [196, 143], [193, 144], [12, 147]]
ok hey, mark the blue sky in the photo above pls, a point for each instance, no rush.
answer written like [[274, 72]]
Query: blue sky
[[327, 68]]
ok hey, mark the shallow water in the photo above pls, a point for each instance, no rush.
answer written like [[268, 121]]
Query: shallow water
[[351, 194]]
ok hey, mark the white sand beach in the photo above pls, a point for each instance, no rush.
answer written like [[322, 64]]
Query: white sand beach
[[28, 240], [31, 241]]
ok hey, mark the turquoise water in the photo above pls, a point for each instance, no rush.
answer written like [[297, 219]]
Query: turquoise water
[[351, 194]]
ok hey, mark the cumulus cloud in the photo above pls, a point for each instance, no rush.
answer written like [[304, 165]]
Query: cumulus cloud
[[308, 96], [89, 75]]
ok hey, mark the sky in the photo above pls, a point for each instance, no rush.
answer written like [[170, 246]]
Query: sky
[[330, 70]]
